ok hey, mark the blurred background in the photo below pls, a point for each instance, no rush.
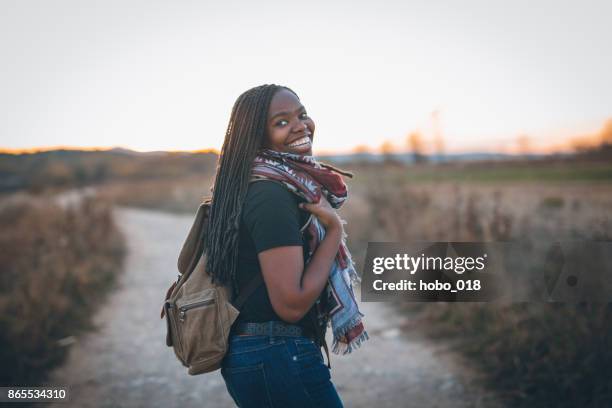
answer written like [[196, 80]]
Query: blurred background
[[471, 121]]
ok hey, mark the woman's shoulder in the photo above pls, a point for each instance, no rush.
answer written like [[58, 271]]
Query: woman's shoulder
[[271, 199], [271, 206], [269, 191]]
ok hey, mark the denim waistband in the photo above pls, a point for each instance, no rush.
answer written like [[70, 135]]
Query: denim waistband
[[271, 328]]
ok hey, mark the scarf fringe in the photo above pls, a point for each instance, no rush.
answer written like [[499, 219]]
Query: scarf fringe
[[352, 270], [343, 348]]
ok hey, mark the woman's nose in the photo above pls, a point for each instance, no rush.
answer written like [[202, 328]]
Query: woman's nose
[[301, 126]]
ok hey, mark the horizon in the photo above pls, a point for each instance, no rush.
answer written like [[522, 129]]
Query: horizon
[[354, 151]]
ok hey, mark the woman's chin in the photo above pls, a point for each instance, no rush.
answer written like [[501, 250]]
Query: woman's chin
[[302, 150], [306, 153]]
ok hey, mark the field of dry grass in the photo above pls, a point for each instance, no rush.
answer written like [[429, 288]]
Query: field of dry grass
[[533, 354], [181, 195], [57, 261]]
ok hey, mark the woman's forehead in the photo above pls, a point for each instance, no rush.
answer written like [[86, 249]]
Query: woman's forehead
[[284, 100]]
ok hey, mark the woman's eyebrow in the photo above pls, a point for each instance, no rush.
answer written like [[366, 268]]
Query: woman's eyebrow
[[287, 112]]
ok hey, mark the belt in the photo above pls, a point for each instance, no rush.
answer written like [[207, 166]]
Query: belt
[[275, 328], [271, 328]]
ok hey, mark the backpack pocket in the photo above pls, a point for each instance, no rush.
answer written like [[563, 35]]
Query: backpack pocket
[[199, 327]]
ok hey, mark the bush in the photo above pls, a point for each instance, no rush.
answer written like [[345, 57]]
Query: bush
[[57, 262], [534, 354]]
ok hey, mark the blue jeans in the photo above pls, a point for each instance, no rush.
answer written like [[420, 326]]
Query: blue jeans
[[277, 371]]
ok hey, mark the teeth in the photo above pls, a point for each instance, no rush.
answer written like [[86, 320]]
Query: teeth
[[299, 142]]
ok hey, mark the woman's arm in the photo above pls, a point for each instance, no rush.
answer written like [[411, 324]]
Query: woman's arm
[[293, 289]]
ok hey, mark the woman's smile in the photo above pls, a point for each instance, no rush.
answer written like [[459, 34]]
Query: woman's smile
[[303, 141]]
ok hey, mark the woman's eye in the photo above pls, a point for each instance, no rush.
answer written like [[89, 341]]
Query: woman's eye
[[281, 122], [304, 115]]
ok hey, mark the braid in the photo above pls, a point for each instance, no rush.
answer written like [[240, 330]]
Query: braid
[[245, 135]]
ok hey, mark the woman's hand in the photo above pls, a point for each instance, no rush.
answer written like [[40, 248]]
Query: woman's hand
[[324, 212]]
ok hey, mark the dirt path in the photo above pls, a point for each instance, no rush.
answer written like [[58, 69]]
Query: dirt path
[[126, 363]]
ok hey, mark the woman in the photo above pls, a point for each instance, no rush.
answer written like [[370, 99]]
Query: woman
[[271, 217]]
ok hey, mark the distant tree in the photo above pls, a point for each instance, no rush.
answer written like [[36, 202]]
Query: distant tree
[[417, 146], [597, 146], [438, 138], [387, 150], [361, 149], [605, 134], [605, 141], [581, 144], [523, 144]]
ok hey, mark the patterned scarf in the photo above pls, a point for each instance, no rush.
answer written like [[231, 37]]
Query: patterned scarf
[[309, 179]]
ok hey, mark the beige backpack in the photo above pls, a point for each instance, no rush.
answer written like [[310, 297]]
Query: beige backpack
[[199, 314]]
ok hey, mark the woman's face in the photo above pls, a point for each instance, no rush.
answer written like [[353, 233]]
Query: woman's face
[[289, 128]]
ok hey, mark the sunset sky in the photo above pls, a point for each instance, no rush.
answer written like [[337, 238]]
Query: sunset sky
[[152, 75]]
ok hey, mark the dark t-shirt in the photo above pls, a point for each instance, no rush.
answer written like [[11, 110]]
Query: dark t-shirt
[[270, 218]]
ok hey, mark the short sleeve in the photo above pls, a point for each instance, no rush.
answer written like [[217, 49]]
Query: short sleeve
[[271, 216]]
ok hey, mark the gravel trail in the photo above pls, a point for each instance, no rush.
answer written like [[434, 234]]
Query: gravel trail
[[125, 362]]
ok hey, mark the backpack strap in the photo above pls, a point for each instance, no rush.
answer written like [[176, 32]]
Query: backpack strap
[[248, 290], [193, 247], [321, 341]]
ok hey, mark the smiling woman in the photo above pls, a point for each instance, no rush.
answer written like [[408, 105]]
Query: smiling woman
[[273, 219]]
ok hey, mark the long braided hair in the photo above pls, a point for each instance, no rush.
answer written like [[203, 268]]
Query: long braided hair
[[246, 133]]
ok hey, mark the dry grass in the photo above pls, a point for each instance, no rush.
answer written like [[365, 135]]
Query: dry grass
[[173, 195], [57, 263], [463, 212], [532, 354]]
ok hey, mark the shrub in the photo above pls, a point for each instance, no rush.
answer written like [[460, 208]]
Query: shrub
[[57, 262]]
